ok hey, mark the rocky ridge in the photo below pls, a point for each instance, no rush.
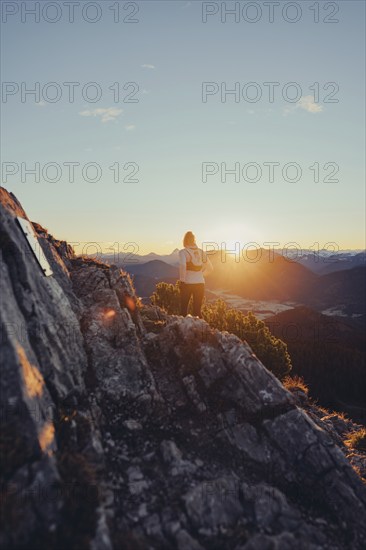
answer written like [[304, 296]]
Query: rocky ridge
[[123, 427]]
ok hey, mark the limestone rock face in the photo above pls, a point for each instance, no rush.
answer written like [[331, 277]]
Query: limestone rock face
[[124, 427], [112, 333], [43, 364]]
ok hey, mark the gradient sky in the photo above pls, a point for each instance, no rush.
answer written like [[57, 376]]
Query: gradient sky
[[170, 132]]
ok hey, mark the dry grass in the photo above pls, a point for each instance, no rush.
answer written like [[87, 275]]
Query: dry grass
[[357, 440], [295, 384]]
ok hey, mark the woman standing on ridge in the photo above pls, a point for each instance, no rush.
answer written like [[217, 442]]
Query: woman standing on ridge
[[194, 264]]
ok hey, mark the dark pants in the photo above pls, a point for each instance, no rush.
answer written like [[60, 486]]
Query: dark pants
[[186, 291]]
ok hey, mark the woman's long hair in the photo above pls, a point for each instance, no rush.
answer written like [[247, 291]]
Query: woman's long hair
[[189, 239]]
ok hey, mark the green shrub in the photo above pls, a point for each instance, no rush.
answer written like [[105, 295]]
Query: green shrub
[[166, 296], [270, 350]]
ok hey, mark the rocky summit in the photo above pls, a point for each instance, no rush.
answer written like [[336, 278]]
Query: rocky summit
[[123, 427]]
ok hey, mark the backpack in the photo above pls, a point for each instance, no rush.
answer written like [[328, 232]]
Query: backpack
[[191, 266]]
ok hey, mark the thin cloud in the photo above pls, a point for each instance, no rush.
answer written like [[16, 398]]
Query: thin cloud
[[130, 127], [40, 103], [148, 66], [306, 103], [105, 115]]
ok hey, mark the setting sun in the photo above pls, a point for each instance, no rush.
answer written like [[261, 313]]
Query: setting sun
[[232, 235]]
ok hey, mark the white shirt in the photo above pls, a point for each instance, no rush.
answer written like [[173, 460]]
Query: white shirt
[[197, 257]]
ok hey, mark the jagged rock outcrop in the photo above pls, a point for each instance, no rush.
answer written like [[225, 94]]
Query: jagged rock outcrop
[[123, 427]]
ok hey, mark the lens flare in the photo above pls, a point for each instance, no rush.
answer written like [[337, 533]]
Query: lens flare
[[109, 314], [130, 303]]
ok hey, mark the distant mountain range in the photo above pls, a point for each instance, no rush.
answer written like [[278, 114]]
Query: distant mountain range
[[263, 276], [321, 261], [276, 278], [346, 288], [130, 259], [335, 262], [157, 269], [272, 277]]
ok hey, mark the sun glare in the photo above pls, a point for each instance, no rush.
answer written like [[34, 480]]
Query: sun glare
[[232, 235]]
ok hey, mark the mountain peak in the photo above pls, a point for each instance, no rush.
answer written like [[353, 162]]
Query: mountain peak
[[110, 398]]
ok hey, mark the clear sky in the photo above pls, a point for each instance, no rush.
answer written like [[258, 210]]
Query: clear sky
[[170, 131]]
